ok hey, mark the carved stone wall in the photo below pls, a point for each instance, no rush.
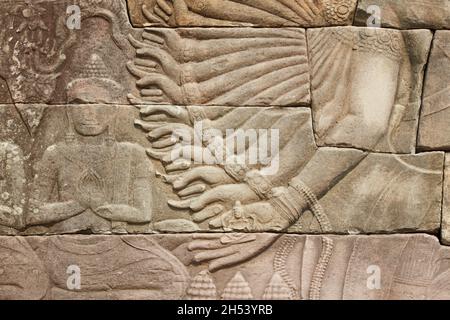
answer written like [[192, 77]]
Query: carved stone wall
[[224, 149]]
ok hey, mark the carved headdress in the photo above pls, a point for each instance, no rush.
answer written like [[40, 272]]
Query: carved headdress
[[94, 84]]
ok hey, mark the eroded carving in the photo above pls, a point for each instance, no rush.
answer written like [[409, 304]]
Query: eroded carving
[[412, 266], [235, 67], [402, 14], [266, 13], [306, 193], [434, 119], [144, 271], [366, 86], [101, 184], [40, 53], [12, 188]]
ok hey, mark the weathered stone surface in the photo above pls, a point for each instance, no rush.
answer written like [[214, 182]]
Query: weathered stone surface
[[155, 163], [434, 127], [404, 14], [221, 66], [264, 13], [384, 193], [445, 228], [366, 86], [224, 266], [42, 59], [154, 168]]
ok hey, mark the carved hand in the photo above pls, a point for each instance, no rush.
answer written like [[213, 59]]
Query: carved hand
[[168, 39], [214, 201], [169, 65], [151, 81], [162, 113], [196, 181], [159, 14], [209, 175], [91, 198], [223, 251], [164, 9]]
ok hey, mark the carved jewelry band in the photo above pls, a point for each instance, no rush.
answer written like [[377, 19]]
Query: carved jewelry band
[[314, 205]]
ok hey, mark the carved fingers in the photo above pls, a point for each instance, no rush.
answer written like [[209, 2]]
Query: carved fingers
[[160, 81], [194, 183], [172, 113], [166, 39], [168, 64], [178, 131], [158, 72], [208, 174], [179, 152], [159, 14], [222, 251], [214, 201], [166, 136]]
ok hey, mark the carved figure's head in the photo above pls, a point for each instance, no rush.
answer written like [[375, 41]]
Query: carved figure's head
[[90, 92], [94, 85], [91, 120]]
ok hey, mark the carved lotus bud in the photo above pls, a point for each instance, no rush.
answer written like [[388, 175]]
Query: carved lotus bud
[[202, 287], [277, 289], [237, 289]]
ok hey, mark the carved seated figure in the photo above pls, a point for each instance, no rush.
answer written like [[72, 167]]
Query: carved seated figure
[[11, 187], [90, 181]]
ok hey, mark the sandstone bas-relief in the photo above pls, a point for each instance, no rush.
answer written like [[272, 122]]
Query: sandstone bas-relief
[[40, 65], [265, 13], [12, 187], [434, 121], [102, 168], [41, 55], [340, 157], [101, 184], [366, 86], [308, 193], [403, 14], [224, 266], [221, 66]]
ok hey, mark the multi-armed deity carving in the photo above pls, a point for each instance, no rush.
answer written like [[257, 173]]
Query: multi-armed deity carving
[[254, 131], [313, 173], [222, 67], [237, 196], [241, 12]]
